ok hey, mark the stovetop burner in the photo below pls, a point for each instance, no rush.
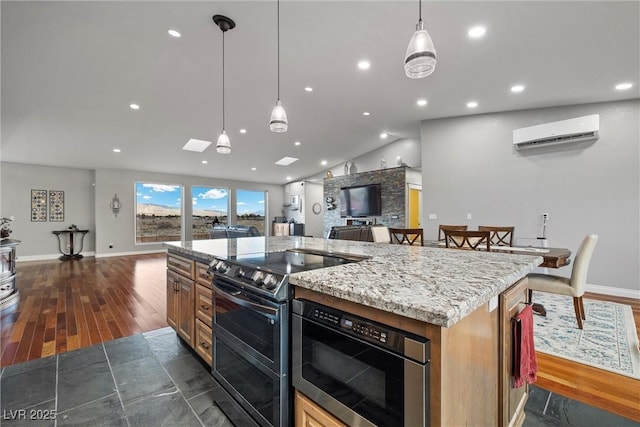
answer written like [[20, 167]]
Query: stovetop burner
[[267, 273]]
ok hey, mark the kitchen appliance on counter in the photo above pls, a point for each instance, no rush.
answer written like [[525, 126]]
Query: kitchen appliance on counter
[[363, 372], [251, 298]]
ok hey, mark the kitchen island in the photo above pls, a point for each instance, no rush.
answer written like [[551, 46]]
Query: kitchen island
[[462, 301]]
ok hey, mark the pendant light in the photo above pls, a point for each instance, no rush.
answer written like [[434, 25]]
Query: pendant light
[[278, 122], [224, 145], [420, 59]]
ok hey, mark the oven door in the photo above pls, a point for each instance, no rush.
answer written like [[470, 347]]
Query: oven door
[[356, 381], [261, 393], [257, 326]]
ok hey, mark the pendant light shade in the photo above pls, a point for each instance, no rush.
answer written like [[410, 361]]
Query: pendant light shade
[[420, 59], [278, 122], [224, 145]]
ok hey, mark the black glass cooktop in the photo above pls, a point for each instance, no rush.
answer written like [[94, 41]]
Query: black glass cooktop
[[295, 260]]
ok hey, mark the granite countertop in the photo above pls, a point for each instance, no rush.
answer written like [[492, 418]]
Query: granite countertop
[[434, 285]]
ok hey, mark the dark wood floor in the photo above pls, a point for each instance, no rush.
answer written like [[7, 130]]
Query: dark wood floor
[[66, 305]]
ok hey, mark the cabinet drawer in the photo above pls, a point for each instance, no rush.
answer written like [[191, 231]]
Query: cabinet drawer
[[204, 340], [204, 307], [181, 265], [202, 274]]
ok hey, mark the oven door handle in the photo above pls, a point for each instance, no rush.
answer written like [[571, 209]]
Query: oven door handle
[[245, 302]]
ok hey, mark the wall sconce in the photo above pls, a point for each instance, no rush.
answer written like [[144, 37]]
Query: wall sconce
[[115, 205]]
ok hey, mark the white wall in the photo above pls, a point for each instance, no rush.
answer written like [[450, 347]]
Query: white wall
[[17, 181], [469, 166], [309, 193], [88, 194], [120, 230]]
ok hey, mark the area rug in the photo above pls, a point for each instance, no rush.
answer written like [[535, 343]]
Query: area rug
[[608, 341]]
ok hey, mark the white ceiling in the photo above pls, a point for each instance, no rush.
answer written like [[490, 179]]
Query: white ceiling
[[71, 69]]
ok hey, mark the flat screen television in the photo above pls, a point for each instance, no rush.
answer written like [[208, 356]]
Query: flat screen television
[[361, 201]]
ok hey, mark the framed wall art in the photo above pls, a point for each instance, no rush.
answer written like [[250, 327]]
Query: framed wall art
[[38, 205], [56, 206]]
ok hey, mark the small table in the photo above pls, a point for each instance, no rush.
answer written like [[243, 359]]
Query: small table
[[72, 250], [409, 235]]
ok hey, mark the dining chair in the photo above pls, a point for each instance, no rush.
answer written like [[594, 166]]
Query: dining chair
[[442, 228], [500, 236], [380, 234], [470, 240], [408, 235], [572, 286]]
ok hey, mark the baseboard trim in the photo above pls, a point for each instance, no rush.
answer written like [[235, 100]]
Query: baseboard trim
[[617, 292], [152, 251], [47, 257]]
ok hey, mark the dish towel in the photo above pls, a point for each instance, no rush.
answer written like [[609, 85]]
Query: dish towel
[[525, 364]]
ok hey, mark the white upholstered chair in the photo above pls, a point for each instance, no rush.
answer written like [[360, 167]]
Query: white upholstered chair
[[572, 286], [381, 234]]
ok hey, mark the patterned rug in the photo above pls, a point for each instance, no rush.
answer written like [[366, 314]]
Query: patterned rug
[[608, 341]]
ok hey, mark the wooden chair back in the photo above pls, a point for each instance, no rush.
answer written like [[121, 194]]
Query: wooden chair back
[[408, 235], [500, 236], [442, 228], [470, 240]]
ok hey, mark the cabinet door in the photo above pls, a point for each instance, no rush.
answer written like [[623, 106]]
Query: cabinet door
[[204, 342], [309, 414], [186, 315], [512, 399], [181, 265], [204, 304], [172, 299]]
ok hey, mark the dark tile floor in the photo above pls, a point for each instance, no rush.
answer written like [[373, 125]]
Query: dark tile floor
[[151, 379], [147, 379]]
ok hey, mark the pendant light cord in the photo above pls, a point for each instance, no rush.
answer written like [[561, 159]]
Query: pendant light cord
[[223, 80], [419, 10], [278, 50]]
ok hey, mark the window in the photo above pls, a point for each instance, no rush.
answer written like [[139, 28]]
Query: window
[[250, 209], [158, 212], [210, 206]]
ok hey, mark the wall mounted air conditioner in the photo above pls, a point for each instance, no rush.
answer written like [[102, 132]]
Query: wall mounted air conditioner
[[571, 130]]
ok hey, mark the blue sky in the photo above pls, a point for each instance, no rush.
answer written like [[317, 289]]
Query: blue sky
[[209, 198]]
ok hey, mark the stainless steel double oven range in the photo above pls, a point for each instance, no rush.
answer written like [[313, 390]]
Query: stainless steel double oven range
[[251, 343]]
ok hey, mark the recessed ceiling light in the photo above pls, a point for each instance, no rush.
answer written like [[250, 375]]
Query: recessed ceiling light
[[366, 113], [296, 143], [253, 169], [204, 162], [383, 135], [197, 145], [421, 102], [134, 106], [289, 178], [624, 86], [174, 33], [517, 88], [116, 150], [243, 131], [472, 104], [286, 161], [364, 65], [308, 89], [323, 163], [477, 32]]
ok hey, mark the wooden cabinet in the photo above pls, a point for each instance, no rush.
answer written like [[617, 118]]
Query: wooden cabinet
[[204, 304], [180, 305], [513, 399], [309, 414], [204, 342], [181, 296]]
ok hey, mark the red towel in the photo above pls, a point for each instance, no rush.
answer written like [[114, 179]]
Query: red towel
[[525, 365]]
